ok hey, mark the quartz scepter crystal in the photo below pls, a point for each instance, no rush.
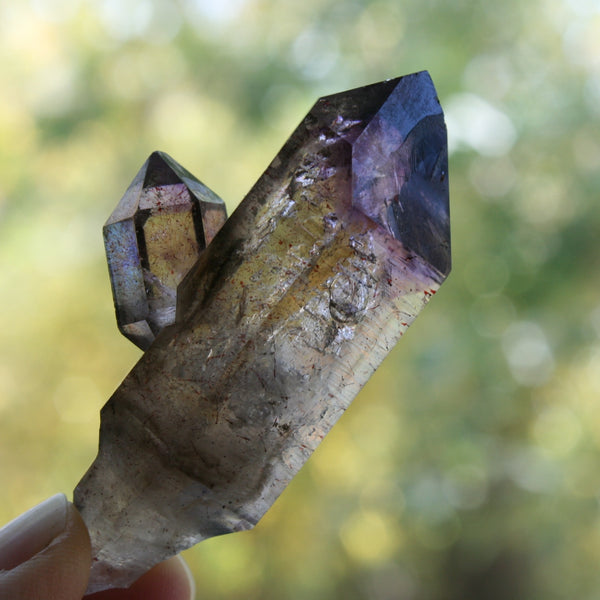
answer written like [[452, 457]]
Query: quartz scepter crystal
[[280, 322]]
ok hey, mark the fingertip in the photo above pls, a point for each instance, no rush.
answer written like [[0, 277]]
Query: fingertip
[[169, 580], [59, 570], [188, 574]]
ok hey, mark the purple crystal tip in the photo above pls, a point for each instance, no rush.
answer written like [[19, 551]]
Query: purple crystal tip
[[407, 137]]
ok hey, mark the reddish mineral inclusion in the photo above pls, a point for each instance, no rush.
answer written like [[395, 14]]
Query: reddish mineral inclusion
[[280, 322]]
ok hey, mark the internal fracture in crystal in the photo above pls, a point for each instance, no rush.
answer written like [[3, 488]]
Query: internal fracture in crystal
[[279, 324], [154, 236]]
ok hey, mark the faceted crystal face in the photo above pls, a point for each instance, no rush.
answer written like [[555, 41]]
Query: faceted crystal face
[[155, 235], [280, 322]]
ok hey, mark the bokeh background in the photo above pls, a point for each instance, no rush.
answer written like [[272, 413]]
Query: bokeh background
[[469, 467]]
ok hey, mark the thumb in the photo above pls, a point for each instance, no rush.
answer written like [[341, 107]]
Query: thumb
[[45, 553]]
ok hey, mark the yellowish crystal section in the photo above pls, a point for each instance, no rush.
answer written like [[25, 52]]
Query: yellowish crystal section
[[171, 245]]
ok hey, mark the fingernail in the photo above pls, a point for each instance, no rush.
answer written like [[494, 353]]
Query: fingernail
[[191, 580], [32, 531]]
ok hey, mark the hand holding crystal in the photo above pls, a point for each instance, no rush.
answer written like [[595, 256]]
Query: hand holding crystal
[[45, 554]]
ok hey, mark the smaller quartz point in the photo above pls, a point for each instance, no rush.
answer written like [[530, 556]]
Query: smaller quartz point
[[280, 322], [153, 237]]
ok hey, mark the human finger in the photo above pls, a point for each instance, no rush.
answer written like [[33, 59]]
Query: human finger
[[169, 580], [45, 553]]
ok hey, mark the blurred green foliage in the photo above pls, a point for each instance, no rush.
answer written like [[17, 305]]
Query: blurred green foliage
[[469, 467]]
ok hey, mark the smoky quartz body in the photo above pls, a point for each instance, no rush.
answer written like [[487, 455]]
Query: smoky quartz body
[[279, 323]]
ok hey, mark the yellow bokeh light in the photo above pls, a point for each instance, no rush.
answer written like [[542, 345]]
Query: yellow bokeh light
[[370, 536]]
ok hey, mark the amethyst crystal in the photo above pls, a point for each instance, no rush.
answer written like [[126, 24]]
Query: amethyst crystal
[[280, 322]]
